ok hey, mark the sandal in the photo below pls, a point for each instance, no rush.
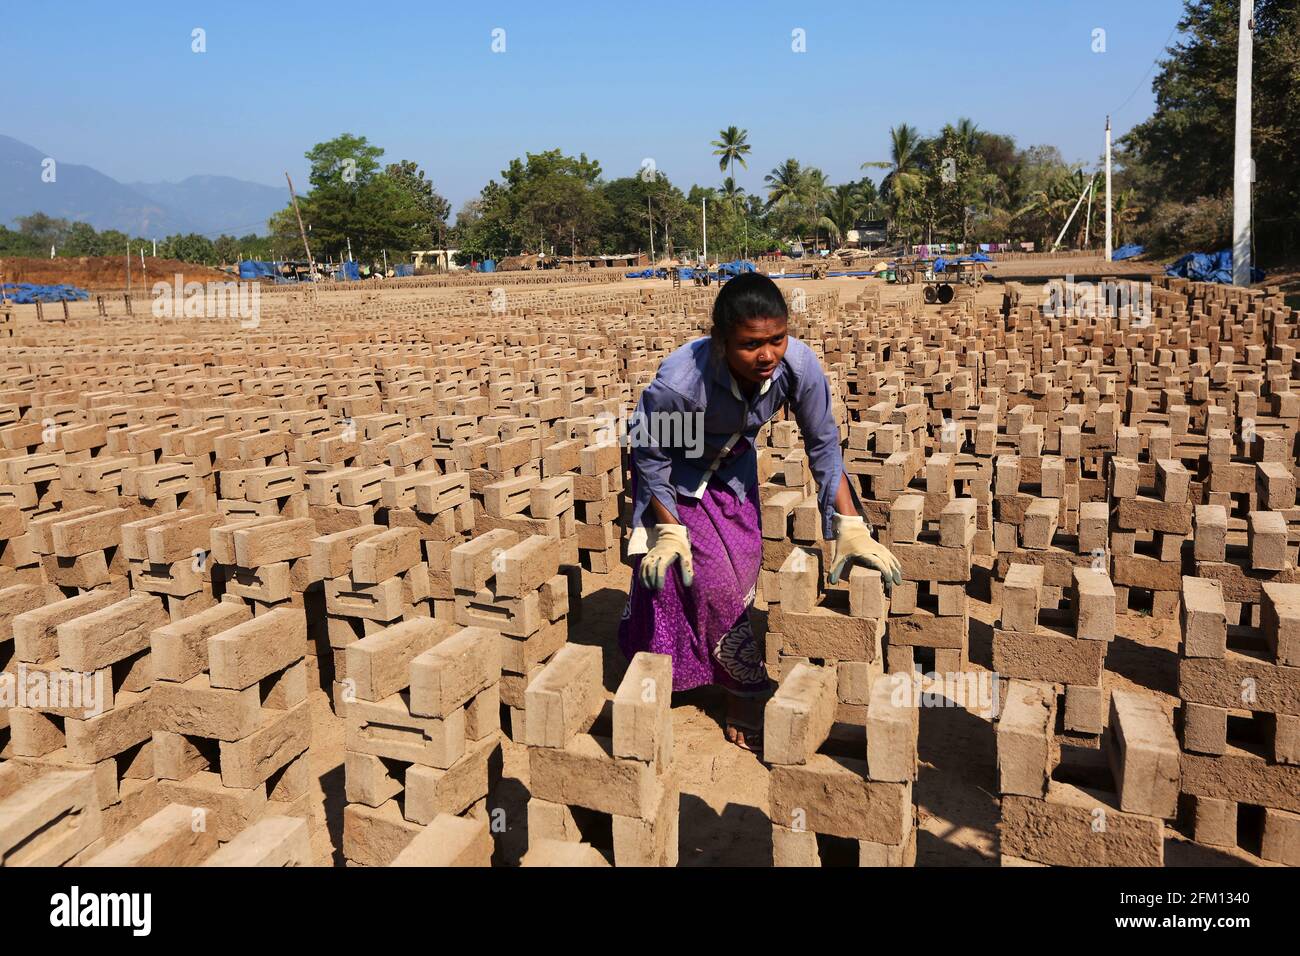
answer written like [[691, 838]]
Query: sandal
[[753, 741]]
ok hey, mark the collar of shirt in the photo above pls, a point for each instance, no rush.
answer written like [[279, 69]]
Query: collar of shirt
[[722, 375]]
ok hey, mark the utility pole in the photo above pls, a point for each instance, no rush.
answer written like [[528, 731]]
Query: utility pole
[[349, 238], [302, 232], [128, 267], [1109, 248], [1243, 165], [704, 218], [650, 213], [1087, 223]]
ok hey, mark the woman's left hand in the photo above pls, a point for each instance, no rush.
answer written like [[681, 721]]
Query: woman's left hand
[[854, 540]]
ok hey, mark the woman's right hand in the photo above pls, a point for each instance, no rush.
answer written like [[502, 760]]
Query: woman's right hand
[[670, 544]]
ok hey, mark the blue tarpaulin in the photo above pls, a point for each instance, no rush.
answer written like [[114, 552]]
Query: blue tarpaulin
[[1127, 252], [735, 267], [27, 293], [941, 263], [257, 269], [348, 271], [404, 269], [1209, 267]]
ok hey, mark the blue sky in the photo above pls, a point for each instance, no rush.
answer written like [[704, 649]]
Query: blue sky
[[116, 86]]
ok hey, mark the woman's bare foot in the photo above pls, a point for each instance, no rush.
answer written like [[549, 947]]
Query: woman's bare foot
[[744, 723]]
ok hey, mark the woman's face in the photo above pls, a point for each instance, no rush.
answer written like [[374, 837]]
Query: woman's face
[[755, 348]]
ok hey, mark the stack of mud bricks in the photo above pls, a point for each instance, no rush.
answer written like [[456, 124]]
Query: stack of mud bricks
[[167, 557], [928, 614], [1240, 717], [374, 577], [91, 654], [595, 461], [1038, 518], [439, 508], [233, 725], [1068, 806], [423, 744], [178, 835], [1059, 637], [80, 550], [602, 785], [258, 492], [841, 629], [1150, 521], [841, 794], [513, 584]]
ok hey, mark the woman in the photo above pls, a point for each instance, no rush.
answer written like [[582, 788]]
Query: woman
[[695, 517]]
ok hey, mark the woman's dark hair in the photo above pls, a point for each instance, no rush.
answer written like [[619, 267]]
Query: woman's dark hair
[[750, 295]]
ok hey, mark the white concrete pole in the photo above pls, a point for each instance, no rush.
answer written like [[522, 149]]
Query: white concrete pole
[[1243, 165]]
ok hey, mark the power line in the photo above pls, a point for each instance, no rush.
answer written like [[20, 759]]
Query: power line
[[1163, 48]]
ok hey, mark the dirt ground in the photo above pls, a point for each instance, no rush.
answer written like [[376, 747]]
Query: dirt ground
[[97, 273]]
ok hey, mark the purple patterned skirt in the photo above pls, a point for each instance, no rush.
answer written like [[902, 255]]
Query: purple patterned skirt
[[705, 628]]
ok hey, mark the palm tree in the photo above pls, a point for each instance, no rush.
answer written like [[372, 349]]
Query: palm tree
[[731, 194], [732, 146], [842, 210], [815, 195], [903, 181], [783, 184]]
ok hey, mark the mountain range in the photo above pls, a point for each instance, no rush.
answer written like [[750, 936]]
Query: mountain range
[[204, 204]]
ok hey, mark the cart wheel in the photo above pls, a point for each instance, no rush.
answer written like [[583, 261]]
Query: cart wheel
[[945, 294], [930, 295]]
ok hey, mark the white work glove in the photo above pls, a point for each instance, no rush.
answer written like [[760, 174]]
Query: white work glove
[[670, 544], [853, 540]]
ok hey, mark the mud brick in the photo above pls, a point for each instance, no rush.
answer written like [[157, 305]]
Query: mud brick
[[1204, 618], [1094, 605], [520, 654], [363, 486], [560, 701], [387, 729], [798, 718], [1242, 586], [600, 458], [1240, 682], [1266, 532], [34, 733], [168, 838], [651, 841], [197, 708], [180, 579], [14, 600], [110, 634], [798, 580], [41, 530], [1094, 519], [643, 726], [472, 562], [449, 841], [376, 558], [1142, 572], [273, 542], [775, 512], [431, 790], [553, 597], [1274, 486], [1048, 830], [331, 554], [275, 841], [380, 665], [376, 836], [368, 780], [48, 819], [1280, 841], [932, 562], [551, 497], [585, 773], [562, 456], [35, 632], [1280, 621], [1143, 755], [866, 593], [524, 567], [834, 795], [92, 739], [29, 469], [282, 736], [1205, 728], [1242, 776], [892, 727], [89, 532], [175, 756], [453, 671], [1211, 532], [827, 634], [1047, 655], [1214, 822], [1040, 523], [84, 572], [221, 539], [957, 523], [1173, 481], [921, 628], [591, 487], [1085, 709], [374, 602], [509, 497], [906, 518], [1022, 597], [246, 653], [1148, 514], [1026, 751]]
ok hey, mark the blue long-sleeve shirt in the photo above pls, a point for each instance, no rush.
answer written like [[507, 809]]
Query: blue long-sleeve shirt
[[675, 455]]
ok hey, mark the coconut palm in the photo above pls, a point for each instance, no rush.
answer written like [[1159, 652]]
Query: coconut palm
[[784, 184], [843, 207], [731, 147], [903, 181]]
